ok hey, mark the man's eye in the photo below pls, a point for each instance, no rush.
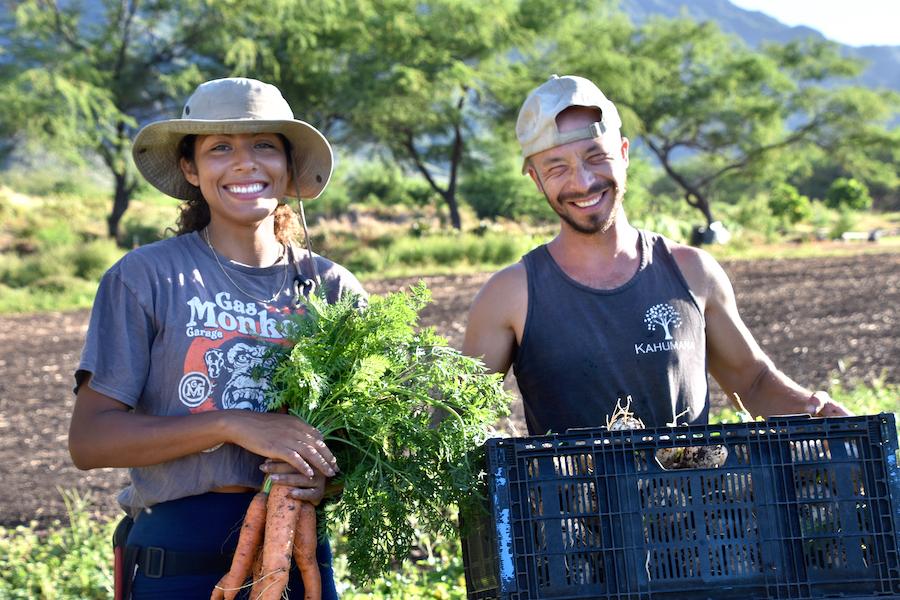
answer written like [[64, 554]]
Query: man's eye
[[556, 171], [598, 158], [220, 148], [266, 145]]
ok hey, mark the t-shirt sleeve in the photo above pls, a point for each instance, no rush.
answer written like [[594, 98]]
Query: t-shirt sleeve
[[117, 347]]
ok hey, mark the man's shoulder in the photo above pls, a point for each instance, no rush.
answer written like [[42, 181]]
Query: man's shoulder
[[701, 270], [513, 277]]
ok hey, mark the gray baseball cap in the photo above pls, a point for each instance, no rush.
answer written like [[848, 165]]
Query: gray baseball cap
[[536, 126]]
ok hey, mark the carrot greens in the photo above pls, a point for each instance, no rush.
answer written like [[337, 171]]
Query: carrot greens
[[399, 408]]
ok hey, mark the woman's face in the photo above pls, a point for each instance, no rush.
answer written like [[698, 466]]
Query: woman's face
[[241, 176]]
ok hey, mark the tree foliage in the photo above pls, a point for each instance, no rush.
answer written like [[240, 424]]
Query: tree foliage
[[434, 87], [850, 194], [81, 78], [716, 114]]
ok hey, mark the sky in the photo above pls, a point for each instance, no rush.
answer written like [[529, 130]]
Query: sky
[[851, 22]]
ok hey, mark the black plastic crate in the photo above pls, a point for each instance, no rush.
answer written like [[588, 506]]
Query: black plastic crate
[[800, 508]]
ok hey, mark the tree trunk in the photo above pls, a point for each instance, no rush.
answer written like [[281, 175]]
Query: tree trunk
[[700, 203], [692, 193], [455, 220], [121, 198]]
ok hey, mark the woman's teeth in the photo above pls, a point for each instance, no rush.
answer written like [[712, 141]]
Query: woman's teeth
[[251, 188]]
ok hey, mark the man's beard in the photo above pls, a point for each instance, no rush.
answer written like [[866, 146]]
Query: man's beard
[[598, 223]]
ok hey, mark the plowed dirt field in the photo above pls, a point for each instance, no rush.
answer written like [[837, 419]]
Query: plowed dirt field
[[815, 317]]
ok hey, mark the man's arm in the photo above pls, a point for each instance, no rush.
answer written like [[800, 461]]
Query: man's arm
[[735, 359], [497, 318]]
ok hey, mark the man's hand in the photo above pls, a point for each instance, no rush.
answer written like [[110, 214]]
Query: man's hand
[[821, 404]]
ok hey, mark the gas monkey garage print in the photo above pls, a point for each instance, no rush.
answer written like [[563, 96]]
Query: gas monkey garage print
[[231, 341]]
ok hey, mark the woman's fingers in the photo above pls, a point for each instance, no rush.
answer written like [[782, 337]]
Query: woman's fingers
[[309, 489], [284, 437]]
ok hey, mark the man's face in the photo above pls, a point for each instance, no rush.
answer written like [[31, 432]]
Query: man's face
[[584, 180]]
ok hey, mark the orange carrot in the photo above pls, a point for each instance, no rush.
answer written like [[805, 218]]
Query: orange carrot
[[245, 551], [281, 521], [305, 552]]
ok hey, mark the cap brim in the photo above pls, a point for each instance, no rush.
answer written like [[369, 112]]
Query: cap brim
[[155, 152]]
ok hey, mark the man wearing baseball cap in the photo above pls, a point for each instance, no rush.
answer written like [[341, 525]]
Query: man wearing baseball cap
[[607, 312]]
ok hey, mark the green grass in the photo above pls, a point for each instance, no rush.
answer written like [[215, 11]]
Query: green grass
[[73, 560]]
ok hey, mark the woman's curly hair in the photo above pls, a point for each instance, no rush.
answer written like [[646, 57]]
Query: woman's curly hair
[[194, 211]]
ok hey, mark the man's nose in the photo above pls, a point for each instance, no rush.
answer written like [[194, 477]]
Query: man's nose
[[585, 177]]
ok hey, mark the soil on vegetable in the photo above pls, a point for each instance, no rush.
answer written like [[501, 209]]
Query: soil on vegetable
[[817, 318]]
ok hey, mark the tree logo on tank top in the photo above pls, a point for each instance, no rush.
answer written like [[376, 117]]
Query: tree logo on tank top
[[662, 318]]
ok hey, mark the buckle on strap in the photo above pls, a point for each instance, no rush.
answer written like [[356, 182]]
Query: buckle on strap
[[154, 562]]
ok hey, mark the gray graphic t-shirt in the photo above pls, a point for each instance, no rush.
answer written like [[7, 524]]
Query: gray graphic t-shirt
[[171, 334]]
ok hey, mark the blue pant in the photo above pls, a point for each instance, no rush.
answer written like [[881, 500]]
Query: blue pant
[[208, 523]]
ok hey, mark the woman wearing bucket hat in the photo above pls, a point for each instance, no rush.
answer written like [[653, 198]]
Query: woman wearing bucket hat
[[166, 384]]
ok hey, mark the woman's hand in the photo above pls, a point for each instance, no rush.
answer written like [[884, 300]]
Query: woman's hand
[[308, 489], [285, 438]]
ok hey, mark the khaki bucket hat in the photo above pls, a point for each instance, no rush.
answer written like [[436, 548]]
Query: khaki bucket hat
[[536, 126], [231, 106]]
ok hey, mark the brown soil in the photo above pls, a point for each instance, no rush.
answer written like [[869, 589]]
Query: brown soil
[[815, 318]]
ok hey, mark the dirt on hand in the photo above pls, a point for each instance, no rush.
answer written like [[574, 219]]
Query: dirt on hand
[[814, 317]]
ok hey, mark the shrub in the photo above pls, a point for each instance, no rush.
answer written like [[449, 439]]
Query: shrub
[[94, 258], [386, 183], [850, 194], [56, 234], [69, 561], [20, 272], [788, 204], [845, 222], [364, 260]]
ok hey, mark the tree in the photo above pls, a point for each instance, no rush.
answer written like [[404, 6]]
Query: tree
[[709, 109], [848, 194], [415, 77], [81, 79]]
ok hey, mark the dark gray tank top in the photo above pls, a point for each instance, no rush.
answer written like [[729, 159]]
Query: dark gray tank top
[[583, 348]]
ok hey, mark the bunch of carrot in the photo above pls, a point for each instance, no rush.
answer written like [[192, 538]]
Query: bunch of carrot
[[276, 527], [399, 409]]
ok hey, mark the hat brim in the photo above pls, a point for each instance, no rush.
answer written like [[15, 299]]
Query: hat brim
[[155, 152]]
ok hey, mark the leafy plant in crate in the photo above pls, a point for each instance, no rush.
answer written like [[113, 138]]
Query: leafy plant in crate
[[401, 411]]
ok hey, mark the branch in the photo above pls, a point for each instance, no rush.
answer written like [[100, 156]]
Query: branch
[[798, 135], [417, 160], [66, 34], [456, 156], [129, 13]]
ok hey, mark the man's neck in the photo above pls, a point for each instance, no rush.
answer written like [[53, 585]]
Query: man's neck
[[602, 260]]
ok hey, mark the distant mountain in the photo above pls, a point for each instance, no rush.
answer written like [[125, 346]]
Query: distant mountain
[[883, 70]]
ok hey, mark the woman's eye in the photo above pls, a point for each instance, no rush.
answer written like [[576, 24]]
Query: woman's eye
[[220, 148]]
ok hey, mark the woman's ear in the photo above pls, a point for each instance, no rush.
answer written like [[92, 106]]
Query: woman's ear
[[189, 169]]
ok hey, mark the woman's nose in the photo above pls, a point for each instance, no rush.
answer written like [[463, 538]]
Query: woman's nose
[[244, 159]]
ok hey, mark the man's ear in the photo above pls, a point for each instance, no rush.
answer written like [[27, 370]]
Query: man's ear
[[189, 169], [534, 177], [625, 146]]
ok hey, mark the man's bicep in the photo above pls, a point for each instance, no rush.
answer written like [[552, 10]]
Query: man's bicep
[[735, 359], [490, 331]]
